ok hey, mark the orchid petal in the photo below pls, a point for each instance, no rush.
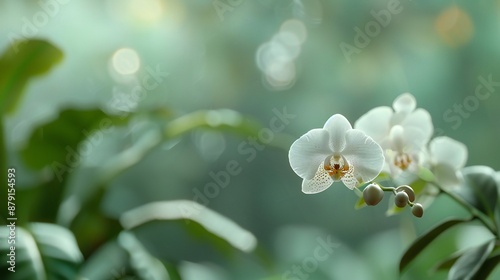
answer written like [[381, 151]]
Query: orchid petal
[[337, 125], [445, 150], [420, 119], [397, 137], [405, 103], [350, 181], [364, 154], [375, 123], [320, 182], [446, 176], [308, 151], [414, 140]]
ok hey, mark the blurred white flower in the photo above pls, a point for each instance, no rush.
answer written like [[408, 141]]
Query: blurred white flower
[[404, 149], [403, 132], [447, 157], [335, 152]]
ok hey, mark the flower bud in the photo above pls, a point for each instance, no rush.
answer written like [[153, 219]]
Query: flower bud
[[401, 199], [417, 210], [373, 194], [408, 190]]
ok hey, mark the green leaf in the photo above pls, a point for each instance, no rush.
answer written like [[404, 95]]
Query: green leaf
[[222, 119], [425, 239], [123, 257], [225, 120], [479, 188], [56, 142], [448, 262], [488, 266], [43, 251], [200, 217], [142, 262], [497, 208], [85, 182], [21, 62], [470, 262], [110, 261]]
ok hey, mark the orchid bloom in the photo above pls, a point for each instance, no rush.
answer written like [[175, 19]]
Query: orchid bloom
[[402, 131], [447, 158], [336, 152]]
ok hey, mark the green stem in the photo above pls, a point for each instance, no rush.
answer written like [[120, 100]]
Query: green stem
[[358, 192], [388, 189]]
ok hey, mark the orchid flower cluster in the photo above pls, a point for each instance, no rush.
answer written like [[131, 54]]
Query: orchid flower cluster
[[385, 141], [391, 150]]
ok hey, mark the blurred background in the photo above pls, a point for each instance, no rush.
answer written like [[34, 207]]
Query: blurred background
[[149, 63]]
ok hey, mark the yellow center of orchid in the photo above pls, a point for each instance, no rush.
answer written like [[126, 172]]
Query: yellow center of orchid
[[402, 160], [337, 167]]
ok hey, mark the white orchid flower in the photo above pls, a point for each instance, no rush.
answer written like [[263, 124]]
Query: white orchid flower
[[402, 131], [447, 158], [404, 149], [335, 152]]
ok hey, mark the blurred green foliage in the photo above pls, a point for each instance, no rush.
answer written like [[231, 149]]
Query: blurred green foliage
[[191, 97]]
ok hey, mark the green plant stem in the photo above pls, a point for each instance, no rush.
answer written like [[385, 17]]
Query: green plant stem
[[358, 192], [388, 189], [471, 209]]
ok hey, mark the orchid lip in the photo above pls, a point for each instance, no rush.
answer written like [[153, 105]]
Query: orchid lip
[[402, 160], [336, 166]]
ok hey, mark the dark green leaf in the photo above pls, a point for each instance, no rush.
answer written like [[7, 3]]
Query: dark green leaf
[[56, 143], [469, 263], [425, 239], [448, 262], [497, 208], [43, 251], [21, 62], [479, 188], [488, 266]]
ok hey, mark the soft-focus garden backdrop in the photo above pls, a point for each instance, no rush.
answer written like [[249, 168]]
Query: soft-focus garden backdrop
[[259, 59]]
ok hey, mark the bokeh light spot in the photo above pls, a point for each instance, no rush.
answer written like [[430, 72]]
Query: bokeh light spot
[[126, 61], [276, 58], [295, 27], [146, 10], [454, 26]]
